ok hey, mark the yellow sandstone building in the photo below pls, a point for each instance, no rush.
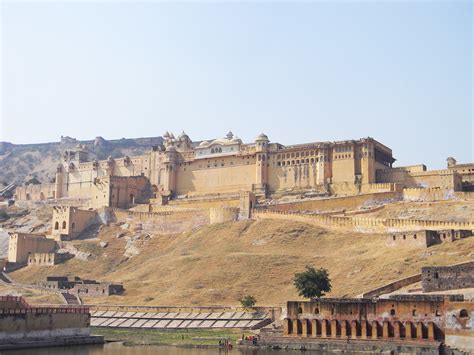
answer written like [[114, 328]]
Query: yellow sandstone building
[[181, 167]]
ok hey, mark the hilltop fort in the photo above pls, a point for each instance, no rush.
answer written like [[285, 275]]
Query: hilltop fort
[[182, 168]]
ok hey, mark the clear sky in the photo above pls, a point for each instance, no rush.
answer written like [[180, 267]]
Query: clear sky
[[400, 72]]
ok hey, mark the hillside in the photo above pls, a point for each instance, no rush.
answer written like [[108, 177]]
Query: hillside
[[20, 162], [217, 264]]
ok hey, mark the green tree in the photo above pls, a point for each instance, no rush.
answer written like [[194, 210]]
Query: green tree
[[248, 301], [312, 283]]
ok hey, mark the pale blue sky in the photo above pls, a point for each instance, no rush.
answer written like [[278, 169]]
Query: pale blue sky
[[400, 72]]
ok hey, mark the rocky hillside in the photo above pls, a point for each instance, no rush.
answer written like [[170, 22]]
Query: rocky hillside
[[21, 162], [220, 263]]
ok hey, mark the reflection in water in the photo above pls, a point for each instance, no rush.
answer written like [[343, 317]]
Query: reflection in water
[[119, 349]]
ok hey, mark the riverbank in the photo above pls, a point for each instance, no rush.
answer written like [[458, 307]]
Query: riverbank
[[184, 338]]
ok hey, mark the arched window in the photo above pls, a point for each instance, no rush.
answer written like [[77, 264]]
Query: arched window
[[64, 224], [392, 312], [212, 151], [463, 314], [300, 310], [316, 310], [413, 312], [56, 225]]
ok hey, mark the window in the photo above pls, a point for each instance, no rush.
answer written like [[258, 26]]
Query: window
[[392, 312], [300, 310], [436, 275], [316, 310], [64, 224], [56, 225], [463, 314]]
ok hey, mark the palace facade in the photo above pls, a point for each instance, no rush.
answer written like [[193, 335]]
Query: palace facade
[[181, 167]]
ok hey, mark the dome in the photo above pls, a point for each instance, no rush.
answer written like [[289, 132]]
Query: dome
[[203, 143], [262, 137]]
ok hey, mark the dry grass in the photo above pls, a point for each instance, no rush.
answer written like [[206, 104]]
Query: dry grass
[[218, 264]]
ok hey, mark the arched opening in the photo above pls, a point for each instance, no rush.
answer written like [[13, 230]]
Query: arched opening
[[413, 313], [392, 312], [64, 224], [316, 310], [463, 313], [300, 310], [73, 225], [56, 225], [132, 199]]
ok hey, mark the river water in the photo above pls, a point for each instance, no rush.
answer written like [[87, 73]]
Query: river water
[[120, 349]]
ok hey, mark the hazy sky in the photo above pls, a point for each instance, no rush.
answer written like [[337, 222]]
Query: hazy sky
[[400, 72]]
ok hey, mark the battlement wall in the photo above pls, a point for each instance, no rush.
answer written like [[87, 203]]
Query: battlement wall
[[362, 224]]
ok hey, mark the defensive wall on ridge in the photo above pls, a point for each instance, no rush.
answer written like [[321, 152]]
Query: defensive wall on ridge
[[361, 224]]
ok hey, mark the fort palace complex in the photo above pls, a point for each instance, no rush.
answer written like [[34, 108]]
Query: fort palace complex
[[183, 168]]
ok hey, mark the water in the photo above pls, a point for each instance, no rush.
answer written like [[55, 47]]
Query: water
[[120, 349]]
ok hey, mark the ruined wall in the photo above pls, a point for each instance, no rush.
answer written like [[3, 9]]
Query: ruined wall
[[20, 244], [447, 277]]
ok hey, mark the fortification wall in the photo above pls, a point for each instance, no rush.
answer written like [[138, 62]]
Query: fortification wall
[[427, 194], [348, 202], [42, 323], [447, 277], [223, 214], [392, 286], [216, 175], [205, 203], [162, 222], [362, 224]]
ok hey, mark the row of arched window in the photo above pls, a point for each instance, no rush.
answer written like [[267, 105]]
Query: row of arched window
[[64, 226]]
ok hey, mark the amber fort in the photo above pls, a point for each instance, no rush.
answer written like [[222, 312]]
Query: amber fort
[[181, 168]]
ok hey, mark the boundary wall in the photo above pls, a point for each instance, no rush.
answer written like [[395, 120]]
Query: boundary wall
[[369, 223], [347, 202]]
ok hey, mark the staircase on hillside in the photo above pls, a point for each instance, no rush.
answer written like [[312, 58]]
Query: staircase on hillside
[[71, 299]]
